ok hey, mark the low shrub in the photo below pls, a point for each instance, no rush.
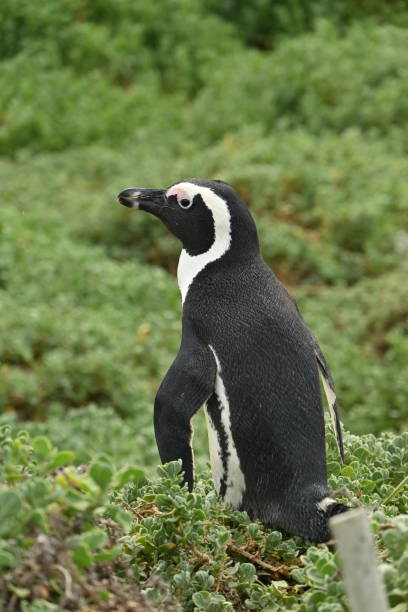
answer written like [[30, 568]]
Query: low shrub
[[128, 41], [99, 534], [264, 24], [321, 81], [364, 334], [78, 328], [84, 321], [51, 109]]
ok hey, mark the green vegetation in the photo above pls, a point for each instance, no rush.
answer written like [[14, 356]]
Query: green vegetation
[[96, 532], [303, 107]]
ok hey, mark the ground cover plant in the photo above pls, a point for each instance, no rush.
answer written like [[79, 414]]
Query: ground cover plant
[[93, 535], [302, 107]]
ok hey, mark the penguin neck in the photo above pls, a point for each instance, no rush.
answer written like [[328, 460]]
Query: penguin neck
[[189, 266], [232, 246]]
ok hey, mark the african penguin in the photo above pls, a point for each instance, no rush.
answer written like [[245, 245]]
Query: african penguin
[[247, 355]]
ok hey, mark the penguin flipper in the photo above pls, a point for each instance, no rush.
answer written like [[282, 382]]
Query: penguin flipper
[[328, 386], [186, 387], [327, 379]]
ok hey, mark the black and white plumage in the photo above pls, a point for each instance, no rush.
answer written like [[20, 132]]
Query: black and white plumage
[[247, 355]]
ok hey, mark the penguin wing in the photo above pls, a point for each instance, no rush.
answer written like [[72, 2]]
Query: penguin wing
[[186, 387], [327, 379]]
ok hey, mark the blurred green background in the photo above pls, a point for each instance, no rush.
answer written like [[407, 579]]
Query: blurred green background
[[302, 105]]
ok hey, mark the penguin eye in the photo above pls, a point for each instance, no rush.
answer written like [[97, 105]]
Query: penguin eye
[[182, 197], [184, 203]]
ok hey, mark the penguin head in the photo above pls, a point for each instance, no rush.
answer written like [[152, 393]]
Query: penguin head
[[205, 215]]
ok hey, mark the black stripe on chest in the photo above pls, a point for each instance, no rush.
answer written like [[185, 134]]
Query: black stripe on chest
[[214, 410]]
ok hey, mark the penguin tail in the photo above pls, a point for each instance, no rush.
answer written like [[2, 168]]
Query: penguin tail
[[327, 508], [336, 508]]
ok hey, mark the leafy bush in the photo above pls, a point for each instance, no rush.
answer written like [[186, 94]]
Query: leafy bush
[[52, 109], [262, 23], [320, 81], [366, 341], [130, 41], [111, 530], [68, 92], [94, 71], [55, 545], [85, 330], [82, 326], [328, 208]]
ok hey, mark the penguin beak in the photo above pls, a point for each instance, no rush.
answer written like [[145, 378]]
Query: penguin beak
[[150, 200]]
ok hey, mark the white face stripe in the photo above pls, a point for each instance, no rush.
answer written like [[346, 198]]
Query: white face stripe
[[190, 265], [235, 480]]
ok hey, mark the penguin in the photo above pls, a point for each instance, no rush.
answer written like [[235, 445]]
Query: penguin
[[247, 356]]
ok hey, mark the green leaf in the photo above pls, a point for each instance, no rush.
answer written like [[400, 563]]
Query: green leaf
[[94, 538], [104, 458], [10, 505], [38, 517], [130, 474], [246, 573], [170, 470], [38, 489], [348, 472], [210, 602], [42, 447], [201, 599], [103, 594], [198, 515], [396, 490], [41, 605], [333, 467], [253, 530], [401, 607], [328, 568], [204, 580], [367, 485], [82, 556], [64, 457], [19, 591], [108, 555], [7, 559], [77, 501], [149, 497], [182, 580], [120, 515], [101, 474], [396, 541], [317, 597]]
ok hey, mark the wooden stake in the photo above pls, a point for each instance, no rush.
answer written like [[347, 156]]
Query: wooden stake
[[355, 545]]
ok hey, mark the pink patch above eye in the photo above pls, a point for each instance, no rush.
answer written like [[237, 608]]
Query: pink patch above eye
[[179, 193]]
